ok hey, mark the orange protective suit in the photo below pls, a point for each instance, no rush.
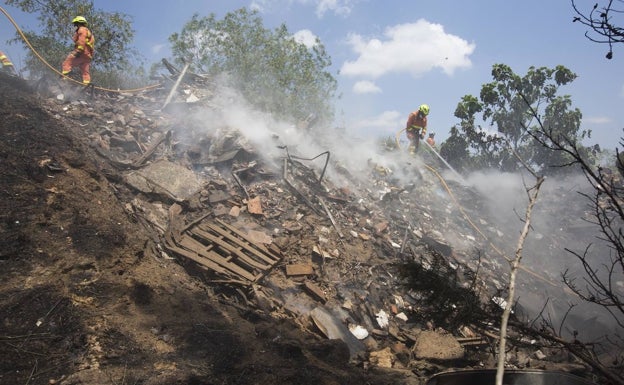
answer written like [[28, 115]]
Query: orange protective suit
[[7, 65], [82, 54], [416, 127]]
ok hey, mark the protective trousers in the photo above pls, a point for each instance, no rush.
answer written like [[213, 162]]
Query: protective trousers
[[82, 61]]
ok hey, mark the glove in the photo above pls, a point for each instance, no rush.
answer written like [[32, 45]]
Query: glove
[[77, 54]]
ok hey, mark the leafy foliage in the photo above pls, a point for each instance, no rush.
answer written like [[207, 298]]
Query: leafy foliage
[[455, 150], [113, 33], [273, 71], [507, 108]]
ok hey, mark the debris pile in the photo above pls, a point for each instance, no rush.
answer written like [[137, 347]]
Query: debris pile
[[308, 237]]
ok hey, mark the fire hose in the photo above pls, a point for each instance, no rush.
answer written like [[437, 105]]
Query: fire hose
[[38, 56], [465, 214]]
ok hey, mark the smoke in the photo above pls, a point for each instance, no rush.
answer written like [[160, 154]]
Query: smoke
[[561, 219], [557, 221], [270, 138], [503, 192]]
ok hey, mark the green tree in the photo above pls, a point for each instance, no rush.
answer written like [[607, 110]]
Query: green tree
[[501, 121], [114, 59], [270, 68], [455, 150]]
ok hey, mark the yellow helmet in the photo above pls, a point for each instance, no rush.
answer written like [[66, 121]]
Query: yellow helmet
[[79, 20], [424, 108]]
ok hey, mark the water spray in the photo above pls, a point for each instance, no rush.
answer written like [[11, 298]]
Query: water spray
[[461, 178]]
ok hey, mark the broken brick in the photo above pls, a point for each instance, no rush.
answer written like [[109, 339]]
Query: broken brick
[[299, 269], [254, 206]]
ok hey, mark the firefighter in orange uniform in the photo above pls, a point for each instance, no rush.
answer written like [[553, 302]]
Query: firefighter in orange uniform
[[416, 127], [7, 65], [83, 50], [431, 140]]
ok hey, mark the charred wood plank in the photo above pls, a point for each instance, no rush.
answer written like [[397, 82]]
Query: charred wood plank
[[219, 247], [205, 253], [260, 250], [331, 217], [150, 151], [204, 262], [228, 248]]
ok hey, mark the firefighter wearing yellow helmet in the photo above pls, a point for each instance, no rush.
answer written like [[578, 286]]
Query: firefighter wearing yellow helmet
[[82, 54], [416, 126]]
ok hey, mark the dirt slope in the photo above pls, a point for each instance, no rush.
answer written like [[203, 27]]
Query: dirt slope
[[82, 303]]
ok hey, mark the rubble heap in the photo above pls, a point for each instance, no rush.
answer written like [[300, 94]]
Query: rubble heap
[[280, 232]]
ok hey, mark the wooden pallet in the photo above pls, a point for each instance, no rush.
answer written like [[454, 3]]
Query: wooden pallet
[[216, 246]]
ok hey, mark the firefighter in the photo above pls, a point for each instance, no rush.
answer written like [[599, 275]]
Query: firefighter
[[416, 127], [431, 140], [7, 65], [82, 53]]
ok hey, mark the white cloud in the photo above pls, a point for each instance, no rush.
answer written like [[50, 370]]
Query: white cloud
[[305, 37], [386, 121], [597, 120], [157, 48], [338, 7], [413, 48], [366, 87], [260, 5]]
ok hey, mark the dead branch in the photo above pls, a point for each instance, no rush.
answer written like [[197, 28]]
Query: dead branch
[[600, 282], [577, 349], [532, 193], [601, 22]]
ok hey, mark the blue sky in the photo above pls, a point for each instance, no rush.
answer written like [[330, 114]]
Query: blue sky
[[390, 56]]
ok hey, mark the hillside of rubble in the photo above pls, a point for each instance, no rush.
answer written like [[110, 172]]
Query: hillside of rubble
[[149, 240]]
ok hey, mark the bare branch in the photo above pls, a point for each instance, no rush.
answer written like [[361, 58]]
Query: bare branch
[[602, 24]]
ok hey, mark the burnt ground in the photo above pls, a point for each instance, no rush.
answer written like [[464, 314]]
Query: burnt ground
[[82, 303], [90, 295]]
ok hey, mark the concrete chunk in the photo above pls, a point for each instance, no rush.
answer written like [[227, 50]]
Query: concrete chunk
[[164, 177], [436, 346], [332, 328]]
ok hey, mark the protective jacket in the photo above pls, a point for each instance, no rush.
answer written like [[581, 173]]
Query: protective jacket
[[416, 123], [5, 60], [82, 54], [84, 41]]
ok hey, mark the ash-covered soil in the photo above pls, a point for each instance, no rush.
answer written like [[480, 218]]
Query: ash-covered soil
[[81, 302]]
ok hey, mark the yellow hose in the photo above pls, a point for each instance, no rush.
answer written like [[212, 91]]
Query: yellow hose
[[435, 172], [469, 220], [19, 31], [398, 134]]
